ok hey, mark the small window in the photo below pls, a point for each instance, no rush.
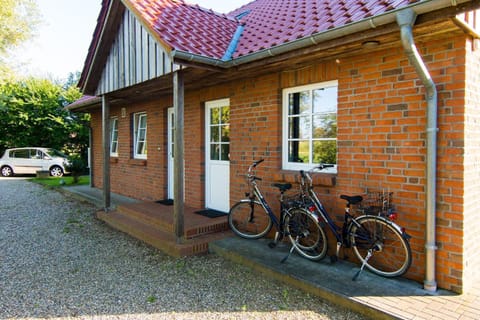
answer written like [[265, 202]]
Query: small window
[[140, 136], [21, 154], [310, 125], [114, 137]]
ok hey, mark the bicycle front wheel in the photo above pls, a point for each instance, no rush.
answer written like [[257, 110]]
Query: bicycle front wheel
[[248, 220], [380, 246], [305, 234]]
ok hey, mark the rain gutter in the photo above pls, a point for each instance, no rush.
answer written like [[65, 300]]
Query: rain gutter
[[406, 19], [355, 27]]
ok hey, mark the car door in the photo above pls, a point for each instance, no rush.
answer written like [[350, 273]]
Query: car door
[[19, 160], [36, 161]]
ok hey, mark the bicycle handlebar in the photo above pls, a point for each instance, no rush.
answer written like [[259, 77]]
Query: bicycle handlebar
[[255, 163], [306, 175], [251, 167]]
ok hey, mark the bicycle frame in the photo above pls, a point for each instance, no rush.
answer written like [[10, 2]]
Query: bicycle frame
[[326, 217], [341, 237], [256, 193], [268, 210]]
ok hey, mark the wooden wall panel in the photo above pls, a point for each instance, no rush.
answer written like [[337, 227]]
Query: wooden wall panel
[[135, 57]]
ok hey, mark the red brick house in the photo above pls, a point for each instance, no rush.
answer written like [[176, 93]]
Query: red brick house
[[387, 90]]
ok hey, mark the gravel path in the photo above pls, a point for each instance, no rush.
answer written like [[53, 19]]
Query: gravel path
[[57, 261]]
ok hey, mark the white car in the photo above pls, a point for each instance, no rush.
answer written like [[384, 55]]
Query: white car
[[31, 159]]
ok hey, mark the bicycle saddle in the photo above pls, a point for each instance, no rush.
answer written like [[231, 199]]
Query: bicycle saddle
[[283, 186], [351, 200]]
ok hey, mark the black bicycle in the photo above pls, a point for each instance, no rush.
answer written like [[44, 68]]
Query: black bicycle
[[253, 218], [379, 243]]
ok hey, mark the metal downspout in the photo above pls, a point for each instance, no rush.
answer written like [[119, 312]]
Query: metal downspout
[[405, 20]]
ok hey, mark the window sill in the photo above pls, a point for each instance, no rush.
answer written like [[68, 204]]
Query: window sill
[[319, 178], [138, 162]]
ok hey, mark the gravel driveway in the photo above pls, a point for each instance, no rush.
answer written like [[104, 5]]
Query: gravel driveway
[[58, 261]]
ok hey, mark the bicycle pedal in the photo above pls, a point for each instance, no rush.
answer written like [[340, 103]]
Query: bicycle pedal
[[272, 245]]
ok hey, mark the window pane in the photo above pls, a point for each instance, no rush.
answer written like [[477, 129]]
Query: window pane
[[298, 151], [225, 155], [143, 121], [141, 135], [24, 154], [225, 115], [299, 103], [299, 127], [305, 102], [225, 133], [324, 126], [141, 147], [325, 100], [214, 134], [114, 135], [214, 116], [325, 151], [113, 149], [214, 151]]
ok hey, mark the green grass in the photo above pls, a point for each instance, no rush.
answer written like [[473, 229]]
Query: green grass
[[62, 181]]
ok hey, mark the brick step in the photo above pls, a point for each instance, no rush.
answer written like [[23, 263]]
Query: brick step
[[161, 217], [160, 239], [154, 215]]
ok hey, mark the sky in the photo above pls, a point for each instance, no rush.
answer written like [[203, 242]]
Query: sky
[[61, 42]]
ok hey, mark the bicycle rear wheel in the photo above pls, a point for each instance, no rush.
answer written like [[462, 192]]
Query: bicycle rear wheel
[[305, 234], [249, 220], [391, 255]]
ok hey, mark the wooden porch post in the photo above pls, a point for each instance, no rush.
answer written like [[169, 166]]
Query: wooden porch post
[[106, 151], [178, 173]]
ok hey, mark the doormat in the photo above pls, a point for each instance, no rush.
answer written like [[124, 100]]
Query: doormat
[[166, 202], [210, 213]]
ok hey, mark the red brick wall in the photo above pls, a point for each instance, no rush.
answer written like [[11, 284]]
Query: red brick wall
[[146, 180], [381, 143]]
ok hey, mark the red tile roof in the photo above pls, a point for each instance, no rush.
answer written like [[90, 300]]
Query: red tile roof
[[267, 23], [186, 27], [273, 22]]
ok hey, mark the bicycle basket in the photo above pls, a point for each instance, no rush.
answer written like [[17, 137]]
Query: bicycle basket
[[377, 203]]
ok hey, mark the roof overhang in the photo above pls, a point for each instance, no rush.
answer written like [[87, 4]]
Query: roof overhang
[[430, 9]]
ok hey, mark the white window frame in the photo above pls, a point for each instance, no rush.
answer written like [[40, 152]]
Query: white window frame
[[137, 129], [286, 165], [114, 136]]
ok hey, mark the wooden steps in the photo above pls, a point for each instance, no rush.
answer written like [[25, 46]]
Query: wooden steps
[[153, 223]]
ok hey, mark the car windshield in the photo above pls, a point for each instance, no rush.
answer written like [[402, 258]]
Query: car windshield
[[55, 153]]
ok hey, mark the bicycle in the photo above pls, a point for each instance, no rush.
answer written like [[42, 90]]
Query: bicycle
[[253, 218], [378, 242]]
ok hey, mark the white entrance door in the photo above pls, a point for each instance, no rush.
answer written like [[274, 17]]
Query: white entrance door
[[217, 150], [170, 135]]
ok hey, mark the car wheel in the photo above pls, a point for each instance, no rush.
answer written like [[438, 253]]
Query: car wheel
[[7, 171], [56, 171]]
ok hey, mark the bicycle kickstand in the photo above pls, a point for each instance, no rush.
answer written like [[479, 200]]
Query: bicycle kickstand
[[369, 255], [289, 253], [277, 238]]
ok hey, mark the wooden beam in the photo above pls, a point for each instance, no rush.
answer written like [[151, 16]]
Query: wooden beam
[[178, 172], [106, 151]]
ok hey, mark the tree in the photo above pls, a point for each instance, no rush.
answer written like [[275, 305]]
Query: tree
[[32, 113], [18, 20]]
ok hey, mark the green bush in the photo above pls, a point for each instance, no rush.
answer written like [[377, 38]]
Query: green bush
[[76, 166]]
